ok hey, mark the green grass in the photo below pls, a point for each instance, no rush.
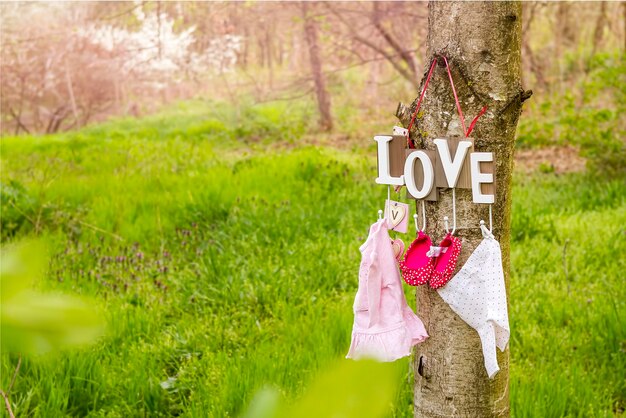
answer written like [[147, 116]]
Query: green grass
[[225, 259]]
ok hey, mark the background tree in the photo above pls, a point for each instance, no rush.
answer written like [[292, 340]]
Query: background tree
[[321, 92]]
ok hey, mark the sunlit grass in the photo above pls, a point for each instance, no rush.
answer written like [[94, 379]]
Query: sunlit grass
[[223, 265]]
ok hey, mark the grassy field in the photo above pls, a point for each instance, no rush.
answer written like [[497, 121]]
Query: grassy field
[[222, 264]]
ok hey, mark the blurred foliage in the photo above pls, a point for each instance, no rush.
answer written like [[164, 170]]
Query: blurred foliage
[[589, 115], [349, 389], [32, 322]]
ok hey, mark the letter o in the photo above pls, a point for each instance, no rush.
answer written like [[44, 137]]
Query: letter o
[[409, 174]]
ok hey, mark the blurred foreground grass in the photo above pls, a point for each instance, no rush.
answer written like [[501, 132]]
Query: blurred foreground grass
[[226, 259]]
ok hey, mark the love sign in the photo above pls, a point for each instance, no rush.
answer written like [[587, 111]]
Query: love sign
[[423, 170]]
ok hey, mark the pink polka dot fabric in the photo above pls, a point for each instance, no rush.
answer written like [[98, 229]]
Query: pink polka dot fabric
[[445, 263], [417, 266]]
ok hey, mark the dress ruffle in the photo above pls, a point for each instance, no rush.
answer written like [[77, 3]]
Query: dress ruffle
[[383, 346], [414, 325]]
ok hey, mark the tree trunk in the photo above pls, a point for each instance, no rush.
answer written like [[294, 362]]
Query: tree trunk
[[598, 33], [535, 66], [323, 98], [624, 12], [482, 41]]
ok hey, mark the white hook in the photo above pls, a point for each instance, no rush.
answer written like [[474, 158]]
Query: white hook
[[445, 218], [417, 228], [388, 203], [482, 223], [486, 233]]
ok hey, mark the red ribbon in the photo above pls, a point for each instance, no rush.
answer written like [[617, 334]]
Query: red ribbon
[[466, 131], [419, 102], [471, 127]]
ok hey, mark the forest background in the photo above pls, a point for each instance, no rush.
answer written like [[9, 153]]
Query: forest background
[[203, 173]]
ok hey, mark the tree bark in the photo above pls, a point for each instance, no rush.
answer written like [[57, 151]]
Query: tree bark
[[323, 98], [482, 41]]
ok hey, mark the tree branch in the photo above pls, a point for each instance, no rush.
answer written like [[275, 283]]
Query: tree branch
[[5, 396], [18, 120], [17, 369], [407, 57], [7, 404], [389, 57]]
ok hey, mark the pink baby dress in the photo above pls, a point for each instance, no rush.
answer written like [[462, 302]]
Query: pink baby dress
[[385, 328]]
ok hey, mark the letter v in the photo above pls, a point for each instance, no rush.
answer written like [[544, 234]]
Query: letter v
[[452, 168]]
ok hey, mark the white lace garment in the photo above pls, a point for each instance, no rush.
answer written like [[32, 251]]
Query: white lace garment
[[478, 295]]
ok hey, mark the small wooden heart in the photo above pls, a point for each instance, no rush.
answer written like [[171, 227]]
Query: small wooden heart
[[398, 248], [396, 215]]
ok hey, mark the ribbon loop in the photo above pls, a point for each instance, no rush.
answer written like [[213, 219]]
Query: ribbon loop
[[466, 131]]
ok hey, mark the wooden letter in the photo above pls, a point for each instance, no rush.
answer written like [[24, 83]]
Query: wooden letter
[[452, 167], [426, 177], [384, 175], [397, 155], [479, 177]]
